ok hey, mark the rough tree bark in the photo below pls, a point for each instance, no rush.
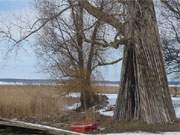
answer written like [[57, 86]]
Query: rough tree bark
[[144, 93], [88, 97]]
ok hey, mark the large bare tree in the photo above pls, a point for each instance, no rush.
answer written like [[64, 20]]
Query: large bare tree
[[144, 93]]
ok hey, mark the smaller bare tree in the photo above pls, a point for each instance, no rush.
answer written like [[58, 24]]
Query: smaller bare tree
[[74, 45]]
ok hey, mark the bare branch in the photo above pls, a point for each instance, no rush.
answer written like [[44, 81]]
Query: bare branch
[[110, 19], [115, 44], [108, 63], [43, 22]]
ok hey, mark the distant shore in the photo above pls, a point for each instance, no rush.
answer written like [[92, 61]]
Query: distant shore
[[59, 82]]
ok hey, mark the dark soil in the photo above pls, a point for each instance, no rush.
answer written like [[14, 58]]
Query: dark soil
[[106, 125], [100, 103], [15, 130], [134, 126]]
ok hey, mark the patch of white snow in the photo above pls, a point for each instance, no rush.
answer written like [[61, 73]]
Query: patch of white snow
[[112, 101], [146, 133], [73, 95], [73, 106]]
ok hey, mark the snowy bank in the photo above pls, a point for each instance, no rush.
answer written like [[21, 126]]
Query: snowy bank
[[145, 133], [112, 101]]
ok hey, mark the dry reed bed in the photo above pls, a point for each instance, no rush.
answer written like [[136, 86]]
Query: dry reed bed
[[30, 102], [42, 102], [115, 89]]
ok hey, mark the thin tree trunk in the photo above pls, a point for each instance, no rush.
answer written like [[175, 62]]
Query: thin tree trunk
[[144, 93], [88, 96]]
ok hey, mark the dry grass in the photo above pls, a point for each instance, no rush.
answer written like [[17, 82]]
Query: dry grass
[[136, 126], [42, 102], [106, 89], [115, 89], [30, 102], [175, 90]]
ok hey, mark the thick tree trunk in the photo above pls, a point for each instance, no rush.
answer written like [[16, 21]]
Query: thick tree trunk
[[144, 93], [88, 97]]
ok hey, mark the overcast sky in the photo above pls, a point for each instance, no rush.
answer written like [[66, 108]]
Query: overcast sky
[[24, 63]]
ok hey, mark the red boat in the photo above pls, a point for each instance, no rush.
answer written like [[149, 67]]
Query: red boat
[[84, 127]]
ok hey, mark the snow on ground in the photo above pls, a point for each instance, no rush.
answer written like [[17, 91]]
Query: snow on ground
[[177, 110], [73, 95], [112, 101], [176, 99], [176, 103], [173, 85], [146, 133], [11, 83], [111, 98], [73, 106], [27, 83], [106, 113]]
